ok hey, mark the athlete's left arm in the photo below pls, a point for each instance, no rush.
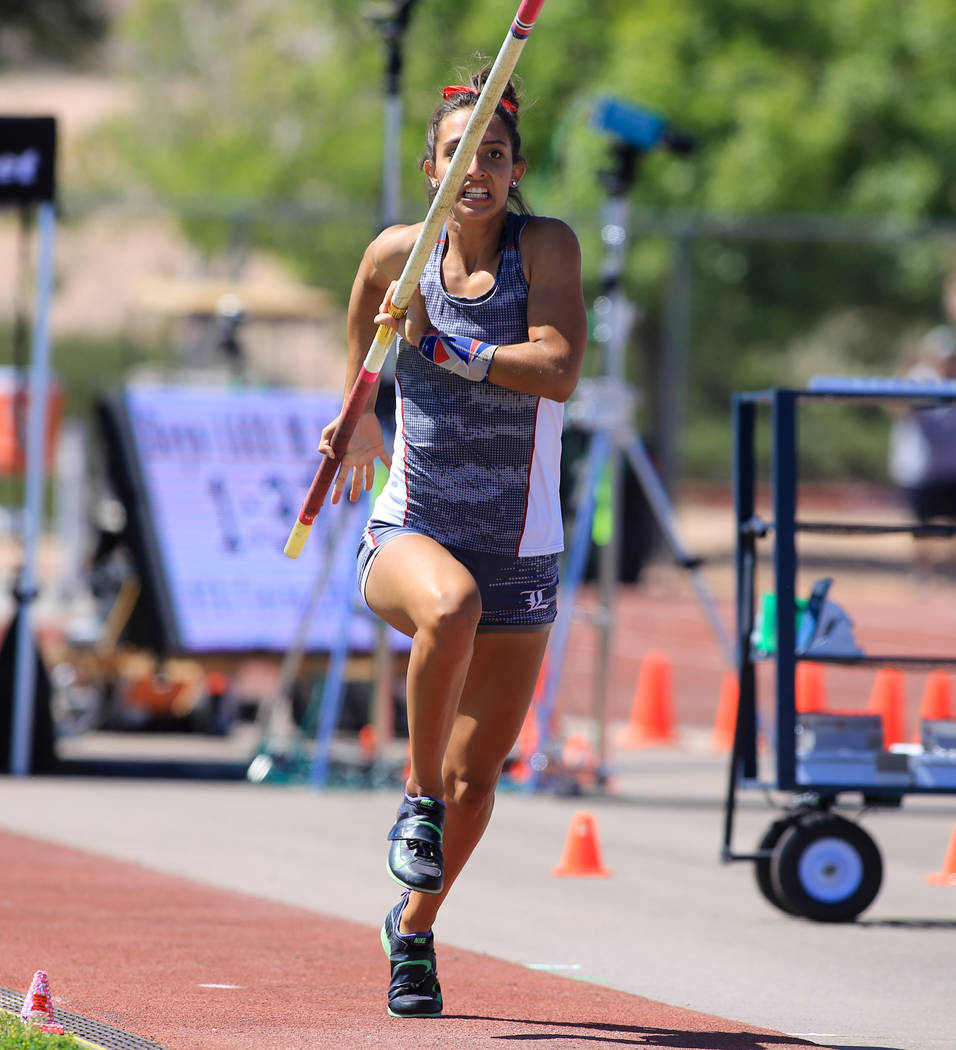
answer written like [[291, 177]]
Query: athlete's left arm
[[550, 362]]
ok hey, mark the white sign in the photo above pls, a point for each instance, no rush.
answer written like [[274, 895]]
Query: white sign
[[225, 472]]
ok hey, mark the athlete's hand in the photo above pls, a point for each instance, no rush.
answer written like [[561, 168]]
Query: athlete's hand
[[366, 445], [415, 322]]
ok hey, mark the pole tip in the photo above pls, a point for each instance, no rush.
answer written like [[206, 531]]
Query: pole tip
[[296, 541]]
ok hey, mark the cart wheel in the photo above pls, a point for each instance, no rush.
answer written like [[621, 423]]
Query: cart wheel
[[826, 868], [769, 841]]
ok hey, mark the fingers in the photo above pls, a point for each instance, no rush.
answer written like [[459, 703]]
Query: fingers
[[351, 478], [339, 484], [355, 479], [356, 465], [387, 300], [325, 441], [412, 323], [384, 316], [359, 481], [387, 321]]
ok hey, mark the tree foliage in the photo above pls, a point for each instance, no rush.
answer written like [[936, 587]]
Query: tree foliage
[[798, 107]]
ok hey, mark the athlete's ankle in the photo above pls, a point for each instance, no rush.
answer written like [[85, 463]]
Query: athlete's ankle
[[420, 789], [410, 923]]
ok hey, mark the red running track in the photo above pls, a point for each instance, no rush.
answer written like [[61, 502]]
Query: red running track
[[144, 952]]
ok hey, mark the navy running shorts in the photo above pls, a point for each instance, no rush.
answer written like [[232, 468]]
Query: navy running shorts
[[516, 593]]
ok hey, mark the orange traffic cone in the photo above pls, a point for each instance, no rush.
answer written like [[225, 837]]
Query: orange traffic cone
[[368, 741], [888, 700], [725, 721], [811, 688], [947, 875], [652, 719], [582, 854], [38, 1005], [936, 703]]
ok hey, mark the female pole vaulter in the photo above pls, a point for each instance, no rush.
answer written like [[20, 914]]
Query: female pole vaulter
[[461, 550]]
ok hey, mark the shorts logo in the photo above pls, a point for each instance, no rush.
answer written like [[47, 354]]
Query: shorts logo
[[536, 600]]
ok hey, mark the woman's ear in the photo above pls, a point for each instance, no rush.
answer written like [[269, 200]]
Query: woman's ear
[[517, 171]]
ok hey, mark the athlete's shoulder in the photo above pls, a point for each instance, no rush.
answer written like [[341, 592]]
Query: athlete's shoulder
[[547, 243], [388, 253], [547, 234]]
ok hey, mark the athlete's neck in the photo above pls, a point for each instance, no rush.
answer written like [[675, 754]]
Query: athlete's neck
[[472, 253]]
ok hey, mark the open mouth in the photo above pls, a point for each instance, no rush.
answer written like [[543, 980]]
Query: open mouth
[[473, 193]]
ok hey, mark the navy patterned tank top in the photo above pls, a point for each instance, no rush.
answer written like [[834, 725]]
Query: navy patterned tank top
[[475, 465]]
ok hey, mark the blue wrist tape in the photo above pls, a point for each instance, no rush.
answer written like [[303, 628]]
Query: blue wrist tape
[[468, 358]]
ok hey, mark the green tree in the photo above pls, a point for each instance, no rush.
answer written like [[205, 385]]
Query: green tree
[[245, 103], [799, 107]]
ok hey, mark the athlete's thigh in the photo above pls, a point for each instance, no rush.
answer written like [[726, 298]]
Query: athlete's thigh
[[495, 700], [411, 576]]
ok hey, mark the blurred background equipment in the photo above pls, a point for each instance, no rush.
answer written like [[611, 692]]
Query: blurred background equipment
[[603, 407], [922, 447], [812, 861], [202, 156], [392, 18], [28, 180]]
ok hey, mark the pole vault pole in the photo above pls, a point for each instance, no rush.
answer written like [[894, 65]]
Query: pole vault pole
[[448, 190]]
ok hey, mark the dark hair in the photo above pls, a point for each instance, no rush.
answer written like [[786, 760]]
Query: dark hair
[[466, 100]]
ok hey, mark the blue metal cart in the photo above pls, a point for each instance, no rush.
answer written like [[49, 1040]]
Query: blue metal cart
[[812, 861]]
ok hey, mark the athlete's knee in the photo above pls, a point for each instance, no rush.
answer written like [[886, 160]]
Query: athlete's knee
[[473, 794], [454, 615]]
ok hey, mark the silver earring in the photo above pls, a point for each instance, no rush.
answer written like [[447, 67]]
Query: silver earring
[[514, 182]]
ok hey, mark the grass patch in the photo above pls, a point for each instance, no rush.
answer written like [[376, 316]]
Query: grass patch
[[16, 1035]]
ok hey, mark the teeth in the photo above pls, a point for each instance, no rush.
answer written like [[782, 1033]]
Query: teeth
[[476, 194]]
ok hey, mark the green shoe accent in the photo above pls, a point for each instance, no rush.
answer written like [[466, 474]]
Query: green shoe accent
[[415, 858], [413, 989]]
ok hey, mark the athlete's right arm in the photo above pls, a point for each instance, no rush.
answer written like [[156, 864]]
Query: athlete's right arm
[[381, 264]]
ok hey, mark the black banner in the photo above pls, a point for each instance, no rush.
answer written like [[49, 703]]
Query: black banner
[[27, 160]]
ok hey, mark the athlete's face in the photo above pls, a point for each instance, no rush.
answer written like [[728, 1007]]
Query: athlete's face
[[491, 171]]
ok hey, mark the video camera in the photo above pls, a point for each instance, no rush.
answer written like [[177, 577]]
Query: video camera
[[639, 128]]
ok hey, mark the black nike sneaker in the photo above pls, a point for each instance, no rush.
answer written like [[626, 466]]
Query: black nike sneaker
[[413, 990], [415, 856]]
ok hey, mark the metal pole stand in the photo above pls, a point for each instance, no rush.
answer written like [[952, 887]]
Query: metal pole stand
[[604, 407], [392, 20], [28, 146]]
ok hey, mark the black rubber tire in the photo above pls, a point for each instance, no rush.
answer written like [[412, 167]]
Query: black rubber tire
[[826, 868], [771, 837]]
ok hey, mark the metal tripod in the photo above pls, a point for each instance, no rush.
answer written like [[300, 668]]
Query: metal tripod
[[604, 408]]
